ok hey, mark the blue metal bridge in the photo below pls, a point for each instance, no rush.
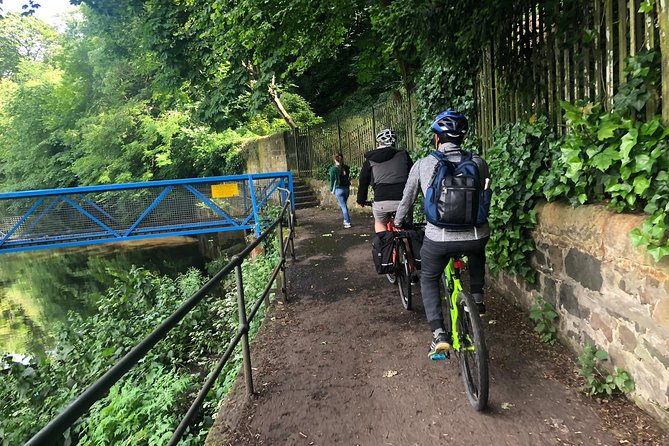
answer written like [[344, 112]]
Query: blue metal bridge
[[101, 214]]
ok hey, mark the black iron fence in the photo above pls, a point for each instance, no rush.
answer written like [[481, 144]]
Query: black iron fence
[[55, 429], [312, 148]]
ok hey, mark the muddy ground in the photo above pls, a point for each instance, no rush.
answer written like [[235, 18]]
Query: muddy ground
[[343, 363]]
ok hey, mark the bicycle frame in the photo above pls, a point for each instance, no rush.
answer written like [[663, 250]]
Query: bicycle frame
[[467, 336], [452, 273]]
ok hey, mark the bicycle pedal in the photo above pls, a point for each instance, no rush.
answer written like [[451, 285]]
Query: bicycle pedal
[[440, 356]]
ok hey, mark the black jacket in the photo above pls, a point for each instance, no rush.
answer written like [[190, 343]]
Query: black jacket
[[386, 170]]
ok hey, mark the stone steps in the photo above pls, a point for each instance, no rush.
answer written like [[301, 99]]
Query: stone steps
[[304, 196]]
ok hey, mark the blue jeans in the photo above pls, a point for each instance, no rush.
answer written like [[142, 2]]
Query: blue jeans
[[342, 198]]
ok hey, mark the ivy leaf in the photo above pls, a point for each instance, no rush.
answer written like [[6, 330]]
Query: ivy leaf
[[641, 184], [607, 129], [648, 128], [646, 6], [637, 238], [643, 162], [603, 160], [628, 142], [658, 252]]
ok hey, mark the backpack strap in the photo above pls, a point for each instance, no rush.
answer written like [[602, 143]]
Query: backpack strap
[[466, 156], [441, 159]]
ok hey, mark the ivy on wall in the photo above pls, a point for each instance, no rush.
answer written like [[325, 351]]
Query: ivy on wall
[[614, 157], [519, 161]]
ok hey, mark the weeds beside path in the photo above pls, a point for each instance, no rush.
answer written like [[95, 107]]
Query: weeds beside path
[[344, 363]]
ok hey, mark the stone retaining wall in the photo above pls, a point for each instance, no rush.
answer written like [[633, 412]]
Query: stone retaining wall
[[606, 292], [266, 154]]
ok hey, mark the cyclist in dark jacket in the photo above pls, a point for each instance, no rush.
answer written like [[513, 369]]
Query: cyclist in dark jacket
[[386, 169]]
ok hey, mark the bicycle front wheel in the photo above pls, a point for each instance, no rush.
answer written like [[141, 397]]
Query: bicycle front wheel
[[473, 354], [404, 276]]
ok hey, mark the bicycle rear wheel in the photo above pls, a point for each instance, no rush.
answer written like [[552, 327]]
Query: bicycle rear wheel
[[473, 353], [403, 276]]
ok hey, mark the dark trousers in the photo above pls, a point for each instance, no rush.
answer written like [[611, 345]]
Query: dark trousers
[[434, 258]]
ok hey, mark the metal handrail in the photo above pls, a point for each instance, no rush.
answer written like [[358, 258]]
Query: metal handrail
[[57, 426]]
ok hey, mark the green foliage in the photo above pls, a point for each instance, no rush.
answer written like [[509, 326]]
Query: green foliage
[[238, 51], [643, 72], [598, 380], [99, 109], [147, 405], [611, 157], [440, 87], [520, 155], [271, 122], [142, 412], [615, 156], [544, 316], [24, 37], [323, 171]]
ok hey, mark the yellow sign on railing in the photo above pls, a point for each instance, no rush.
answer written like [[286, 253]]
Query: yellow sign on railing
[[224, 190]]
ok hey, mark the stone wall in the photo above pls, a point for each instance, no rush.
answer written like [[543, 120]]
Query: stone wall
[[606, 292], [266, 154]]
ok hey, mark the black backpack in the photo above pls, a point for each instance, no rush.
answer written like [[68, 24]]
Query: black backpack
[[455, 198], [344, 176]]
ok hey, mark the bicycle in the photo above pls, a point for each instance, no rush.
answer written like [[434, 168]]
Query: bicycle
[[404, 265], [403, 262], [468, 341]]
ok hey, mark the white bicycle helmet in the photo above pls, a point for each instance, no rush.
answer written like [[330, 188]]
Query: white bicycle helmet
[[386, 137]]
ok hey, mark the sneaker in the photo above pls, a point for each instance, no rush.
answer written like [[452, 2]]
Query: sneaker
[[440, 345], [478, 298], [347, 225], [481, 307]]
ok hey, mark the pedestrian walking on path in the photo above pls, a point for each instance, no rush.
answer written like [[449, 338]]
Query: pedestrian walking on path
[[340, 185]]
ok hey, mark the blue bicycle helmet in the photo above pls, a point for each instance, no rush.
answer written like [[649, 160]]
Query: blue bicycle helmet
[[452, 123]]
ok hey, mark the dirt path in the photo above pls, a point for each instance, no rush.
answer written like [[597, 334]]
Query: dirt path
[[319, 364]]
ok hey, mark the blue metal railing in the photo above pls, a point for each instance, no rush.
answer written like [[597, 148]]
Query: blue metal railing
[[100, 214]]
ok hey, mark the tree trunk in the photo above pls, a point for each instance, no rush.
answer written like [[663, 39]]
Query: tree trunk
[[279, 106]]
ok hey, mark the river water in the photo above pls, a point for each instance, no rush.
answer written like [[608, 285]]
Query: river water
[[39, 288]]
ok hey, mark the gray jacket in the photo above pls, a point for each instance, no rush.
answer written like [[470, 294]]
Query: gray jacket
[[420, 176]]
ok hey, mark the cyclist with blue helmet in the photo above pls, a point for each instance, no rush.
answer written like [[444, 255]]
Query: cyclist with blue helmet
[[440, 244]]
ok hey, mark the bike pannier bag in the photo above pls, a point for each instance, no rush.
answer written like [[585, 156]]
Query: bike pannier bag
[[416, 243], [382, 252]]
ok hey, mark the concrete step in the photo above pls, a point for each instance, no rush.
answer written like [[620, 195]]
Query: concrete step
[[306, 204], [304, 196]]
